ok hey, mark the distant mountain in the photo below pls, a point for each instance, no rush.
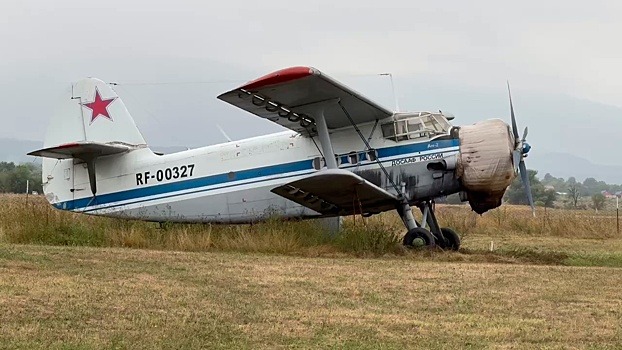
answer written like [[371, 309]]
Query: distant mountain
[[566, 165], [557, 123], [12, 150]]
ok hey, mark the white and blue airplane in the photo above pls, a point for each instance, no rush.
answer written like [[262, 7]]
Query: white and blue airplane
[[343, 155]]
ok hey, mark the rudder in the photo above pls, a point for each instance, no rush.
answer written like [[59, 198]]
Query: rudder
[[95, 113], [90, 122]]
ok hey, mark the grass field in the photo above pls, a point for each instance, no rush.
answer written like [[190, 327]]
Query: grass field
[[76, 282], [76, 297]]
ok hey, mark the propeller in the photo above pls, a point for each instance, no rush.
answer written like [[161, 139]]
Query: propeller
[[521, 149]]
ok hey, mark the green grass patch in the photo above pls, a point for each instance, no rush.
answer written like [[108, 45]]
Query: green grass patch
[[371, 239], [594, 259]]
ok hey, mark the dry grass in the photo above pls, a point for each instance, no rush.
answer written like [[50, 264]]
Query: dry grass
[[83, 298], [37, 222], [519, 237], [519, 220], [234, 295]]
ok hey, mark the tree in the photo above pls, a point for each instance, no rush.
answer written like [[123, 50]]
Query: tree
[[6, 166], [599, 201], [516, 192], [548, 198], [592, 186], [13, 177], [574, 192], [559, 184]]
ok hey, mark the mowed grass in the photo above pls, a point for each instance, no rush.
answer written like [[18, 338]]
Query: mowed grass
[[70, 281], [115, 298]]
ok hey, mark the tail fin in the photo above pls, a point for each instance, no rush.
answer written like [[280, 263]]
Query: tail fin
[[90, 122], [93, 112]]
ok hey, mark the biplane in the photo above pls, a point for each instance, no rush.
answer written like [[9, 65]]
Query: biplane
[[342, 154]]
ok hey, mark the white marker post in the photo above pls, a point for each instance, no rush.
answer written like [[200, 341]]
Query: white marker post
[[618, 214], [27, 190]]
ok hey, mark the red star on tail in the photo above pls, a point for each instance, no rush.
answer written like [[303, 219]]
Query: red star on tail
[[99, 107]]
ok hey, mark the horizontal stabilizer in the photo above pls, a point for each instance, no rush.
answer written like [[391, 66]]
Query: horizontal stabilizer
[[80, 150], [338, 192]]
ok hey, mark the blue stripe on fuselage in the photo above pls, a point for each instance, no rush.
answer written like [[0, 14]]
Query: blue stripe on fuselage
[[417, 147], [185, 185], [139, 193]]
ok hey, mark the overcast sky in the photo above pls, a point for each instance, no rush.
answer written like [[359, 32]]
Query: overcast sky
[[556, 47]]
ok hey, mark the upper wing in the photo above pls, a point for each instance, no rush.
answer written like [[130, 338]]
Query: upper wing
[[283, 95], [338, 192]]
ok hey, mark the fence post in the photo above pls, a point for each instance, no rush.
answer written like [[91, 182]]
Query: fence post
[[618, 214]]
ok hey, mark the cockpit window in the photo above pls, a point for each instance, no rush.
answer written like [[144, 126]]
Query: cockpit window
[[415, 125]]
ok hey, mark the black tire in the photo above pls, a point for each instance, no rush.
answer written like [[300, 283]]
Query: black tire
[[419, 232], [452, 240]]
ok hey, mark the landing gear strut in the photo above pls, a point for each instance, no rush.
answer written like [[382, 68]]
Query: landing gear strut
[[445, 238]]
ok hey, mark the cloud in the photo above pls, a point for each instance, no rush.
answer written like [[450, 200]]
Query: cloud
[[555, 46]]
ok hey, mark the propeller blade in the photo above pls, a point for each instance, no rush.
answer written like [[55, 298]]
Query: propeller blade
[[524, 175], [525, 134], [514, 127], [516, 158]]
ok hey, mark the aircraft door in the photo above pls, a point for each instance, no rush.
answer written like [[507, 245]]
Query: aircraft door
[[80, 178]]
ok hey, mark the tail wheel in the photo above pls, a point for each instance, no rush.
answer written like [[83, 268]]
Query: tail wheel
[[452, 240], [419, 233]]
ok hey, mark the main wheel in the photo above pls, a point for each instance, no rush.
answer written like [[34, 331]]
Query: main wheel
[[452, 240], [419, 232]]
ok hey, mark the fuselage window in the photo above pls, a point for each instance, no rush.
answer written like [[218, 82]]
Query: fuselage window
[[353, 157], [318, 163], [407, 126], [388, 130], [372, 155]]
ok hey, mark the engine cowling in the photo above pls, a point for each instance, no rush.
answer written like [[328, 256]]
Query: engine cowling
[[485, 163]]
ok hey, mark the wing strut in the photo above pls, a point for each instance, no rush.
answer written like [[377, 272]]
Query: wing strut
[[366, 142], [322, 129]]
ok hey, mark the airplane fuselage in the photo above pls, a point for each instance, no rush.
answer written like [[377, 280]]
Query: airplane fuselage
[[231, 182]]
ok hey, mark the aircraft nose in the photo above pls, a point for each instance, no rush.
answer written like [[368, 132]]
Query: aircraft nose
[[526, 147]]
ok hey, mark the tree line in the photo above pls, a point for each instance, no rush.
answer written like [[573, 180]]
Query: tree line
[[556, 191], [13, 177], [547, 192]]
